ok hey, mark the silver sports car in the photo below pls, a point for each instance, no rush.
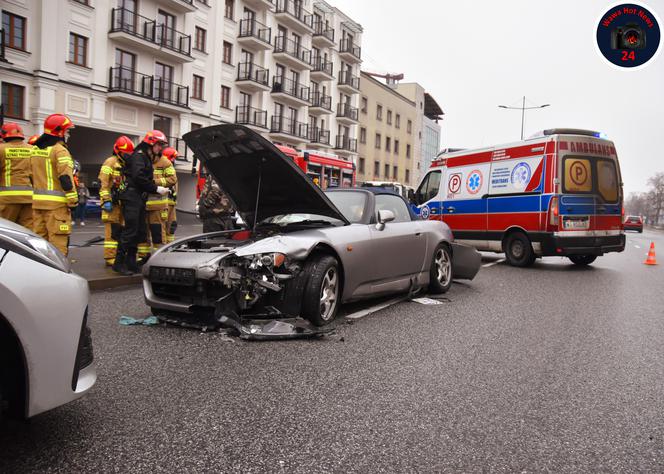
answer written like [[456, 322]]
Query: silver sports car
[[303, 251]]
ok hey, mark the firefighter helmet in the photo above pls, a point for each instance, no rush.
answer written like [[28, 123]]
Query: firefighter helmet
[[12, 130], [123, 145], [170, 153], [154, 137], [32, 139], [57, 125]]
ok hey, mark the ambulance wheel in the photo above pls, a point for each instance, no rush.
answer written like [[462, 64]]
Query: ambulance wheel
[[518, 250], [440, 274], [582, 259]]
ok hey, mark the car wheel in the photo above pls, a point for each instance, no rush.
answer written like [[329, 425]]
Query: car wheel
[[582, 259], [321, 293], [518, 250], [440, 273]]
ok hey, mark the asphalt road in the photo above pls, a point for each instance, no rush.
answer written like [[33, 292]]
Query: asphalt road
[[552, 368]]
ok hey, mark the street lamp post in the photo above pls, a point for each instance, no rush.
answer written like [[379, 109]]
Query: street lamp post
[[523, 109]]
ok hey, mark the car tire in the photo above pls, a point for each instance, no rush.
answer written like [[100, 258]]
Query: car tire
[[582, 260], [518, 250], [321, 296], [440, 273]]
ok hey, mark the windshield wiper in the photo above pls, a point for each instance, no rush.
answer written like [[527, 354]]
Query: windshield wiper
[[310, 222]]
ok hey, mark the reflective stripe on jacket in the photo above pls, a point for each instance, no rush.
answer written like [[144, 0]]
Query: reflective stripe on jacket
[[15, 172], [48, 165], [163, 175]]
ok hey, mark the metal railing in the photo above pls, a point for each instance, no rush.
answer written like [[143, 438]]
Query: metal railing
[[294, 9], [253, 72], [320, 100], [319, 64], [255, 29], [290, 87], [127, 21], [292, 48], [182, 148], [129, 81], [348, 111], [346, 78], [346, 143], [246, 115], [280, 124], [319, 135], [321, 30], [347, 46], [2, 46]]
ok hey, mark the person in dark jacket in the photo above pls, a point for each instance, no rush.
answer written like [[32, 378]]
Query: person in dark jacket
[[138, 183]]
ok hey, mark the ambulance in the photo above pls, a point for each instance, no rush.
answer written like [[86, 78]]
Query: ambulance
[[557, 193]]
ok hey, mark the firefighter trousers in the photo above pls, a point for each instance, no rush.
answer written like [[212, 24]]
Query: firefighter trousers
[[53, 225], [171, 224], [133, 214], [18, 213], [112, 231], [156, 235]]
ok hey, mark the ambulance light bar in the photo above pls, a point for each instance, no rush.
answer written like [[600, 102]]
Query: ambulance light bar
[[573, 131]]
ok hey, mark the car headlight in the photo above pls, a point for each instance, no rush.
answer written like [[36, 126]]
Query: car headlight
[[34, 248], [270, 260]]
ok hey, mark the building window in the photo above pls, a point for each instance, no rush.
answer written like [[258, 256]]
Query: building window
[[84, 2], [195, 126], [378, 140], [78, 49], [376, 168], [389, 117], [397, 121], [159, 122], [407, 150], [379, 112], [201, 36], [409, 126], [363, 135], [407, 176], [12, 100], [388, 141], [13, 27], [228, 53], [387, 171], [361, 165], [228, 11], [226, 97], [365, 105], [198, 87], [395, 172], [396, 147]]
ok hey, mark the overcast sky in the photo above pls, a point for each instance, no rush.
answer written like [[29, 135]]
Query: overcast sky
[[474, 55]]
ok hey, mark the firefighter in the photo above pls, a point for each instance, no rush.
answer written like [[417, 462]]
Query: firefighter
[[110, 178], [171, 222], [157, 207], [15, 173], [54, 193], [138, 183]]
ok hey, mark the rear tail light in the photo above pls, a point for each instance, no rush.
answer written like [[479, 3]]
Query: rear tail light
[[553, 212]]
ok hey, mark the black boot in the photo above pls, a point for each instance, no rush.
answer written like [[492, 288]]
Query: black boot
[[120, 265], [132, 266]]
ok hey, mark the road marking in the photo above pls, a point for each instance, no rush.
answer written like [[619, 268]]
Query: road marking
[[491, 264], [637, 246], [365, 312]]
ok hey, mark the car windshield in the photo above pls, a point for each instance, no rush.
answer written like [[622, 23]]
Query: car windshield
[[351, 204], [301, 218]]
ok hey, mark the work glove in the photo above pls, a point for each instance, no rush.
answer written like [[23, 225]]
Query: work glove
[[162, 190], [107, 206]]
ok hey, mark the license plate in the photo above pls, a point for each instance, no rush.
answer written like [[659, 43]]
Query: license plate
[[172, 276], [576, 224]]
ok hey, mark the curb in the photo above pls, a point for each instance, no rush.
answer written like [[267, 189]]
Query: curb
[[108, 283]]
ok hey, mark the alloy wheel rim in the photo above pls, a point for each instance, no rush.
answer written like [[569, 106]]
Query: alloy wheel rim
[[517, 249], [328, 294], [443, 267]]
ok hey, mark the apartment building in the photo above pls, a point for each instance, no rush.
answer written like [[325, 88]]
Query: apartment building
[[396, 131], [287, 68]]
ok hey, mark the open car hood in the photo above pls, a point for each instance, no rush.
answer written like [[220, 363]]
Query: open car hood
[[239, 159]]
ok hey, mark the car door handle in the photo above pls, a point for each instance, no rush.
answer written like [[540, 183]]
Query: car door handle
[[601, 209], [451, 209]]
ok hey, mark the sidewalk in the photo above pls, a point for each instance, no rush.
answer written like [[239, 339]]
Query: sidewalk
[[89, 261]]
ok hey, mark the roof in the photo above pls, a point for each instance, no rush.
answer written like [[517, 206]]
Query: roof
[[431, 108], [368, 76]]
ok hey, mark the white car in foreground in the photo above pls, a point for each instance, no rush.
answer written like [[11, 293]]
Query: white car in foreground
[[46, 357]]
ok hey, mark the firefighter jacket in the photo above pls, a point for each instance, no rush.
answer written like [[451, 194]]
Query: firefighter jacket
[[163, 175], [138, 172], [52, 178], [15, 172], [110, 178]]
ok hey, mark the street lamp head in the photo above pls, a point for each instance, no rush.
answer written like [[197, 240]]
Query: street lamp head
[[502, 106], [545, 105]]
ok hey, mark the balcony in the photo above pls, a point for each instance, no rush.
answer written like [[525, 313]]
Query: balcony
[[291, 53], [255, 35], [321, 70], [350, 52], [252, 77], [180, 6], [292, 15], [344, 143], [319, 136], [131, 86], [347, 114], [287, 129], [289, 91], [348, 83], [323, 36], [250, 116], [320, 104], [259, 4], [139, 32]]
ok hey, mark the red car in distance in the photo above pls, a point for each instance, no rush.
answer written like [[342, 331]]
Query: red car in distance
[[633, 223]]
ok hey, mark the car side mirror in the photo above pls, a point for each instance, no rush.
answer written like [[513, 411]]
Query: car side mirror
[[384, 216]]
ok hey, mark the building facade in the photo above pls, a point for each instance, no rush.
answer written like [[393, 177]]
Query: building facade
[[287, 68]]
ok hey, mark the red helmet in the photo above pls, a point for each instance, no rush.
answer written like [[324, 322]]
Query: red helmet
[[32, 139], [123, 145], [57, 125], [154, 137], [12, 130], [170, 153]]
